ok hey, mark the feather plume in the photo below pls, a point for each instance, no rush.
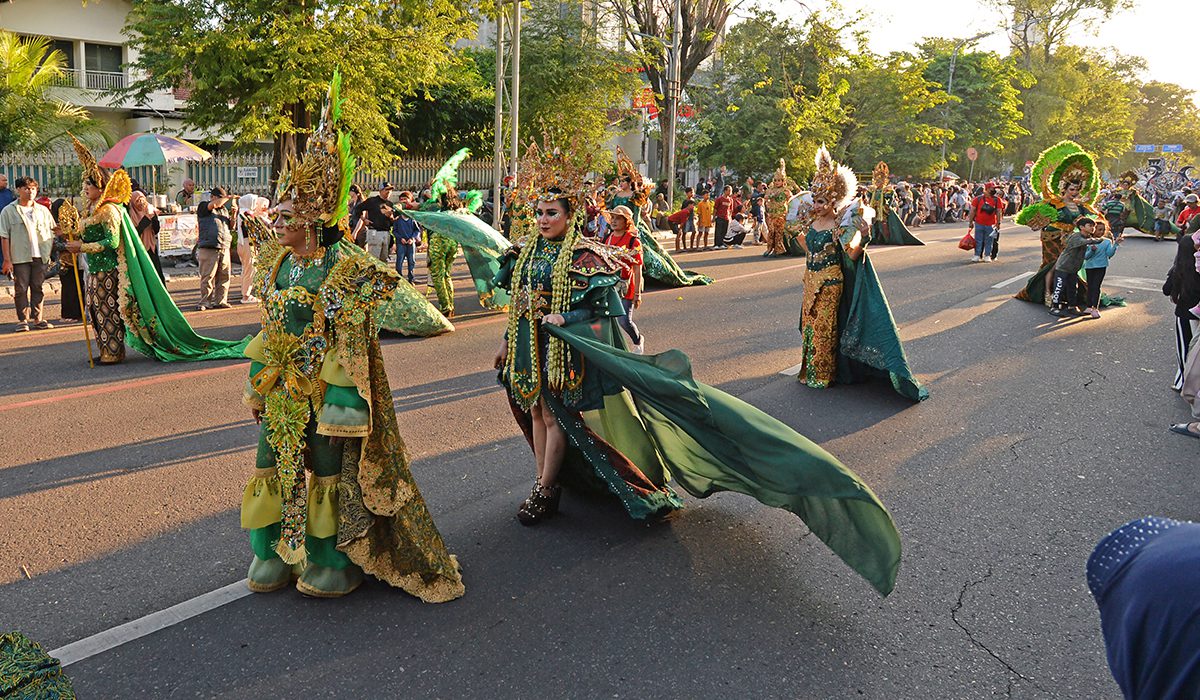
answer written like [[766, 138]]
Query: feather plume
[[447, 175], [1048, 162]]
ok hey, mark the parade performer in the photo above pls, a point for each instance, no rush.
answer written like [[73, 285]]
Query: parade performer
[[126, 299], [887, 228], [848, 333], [1068, 180], [658, 265], [1136, 212], [450, 221], [780, 240], [318, 387], [604, 420], [407, 312]]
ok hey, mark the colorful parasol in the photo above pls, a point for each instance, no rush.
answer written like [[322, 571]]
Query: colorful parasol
[[151, 149]]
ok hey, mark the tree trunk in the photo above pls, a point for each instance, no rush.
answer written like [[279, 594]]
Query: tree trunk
[[292, 143]]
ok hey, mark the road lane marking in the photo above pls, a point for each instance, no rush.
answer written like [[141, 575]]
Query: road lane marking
[[1014, 278], [110, 639], [121, 386], [1142, 283], [792, 371]]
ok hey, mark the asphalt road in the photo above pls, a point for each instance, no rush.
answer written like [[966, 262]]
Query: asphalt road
[[120, 486]]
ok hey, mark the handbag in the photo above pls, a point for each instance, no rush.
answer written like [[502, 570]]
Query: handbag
[[967, 242]]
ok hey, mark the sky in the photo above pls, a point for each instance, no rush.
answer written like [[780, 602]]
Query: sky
[[1154, 30]]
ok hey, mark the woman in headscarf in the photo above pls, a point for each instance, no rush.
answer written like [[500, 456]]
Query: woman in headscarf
[[249, 206], [146, 224]]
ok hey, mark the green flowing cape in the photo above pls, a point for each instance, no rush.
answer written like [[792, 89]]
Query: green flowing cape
[[711, 442], [1142, 215], [870, 344], [888, 228], [482, 247], [154, 325], [408, 312]]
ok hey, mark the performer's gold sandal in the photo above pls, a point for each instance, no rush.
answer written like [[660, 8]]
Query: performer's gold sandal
[[267, 575], [326, 582]]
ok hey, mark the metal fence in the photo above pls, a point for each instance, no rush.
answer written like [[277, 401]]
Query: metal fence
[[58, 173]]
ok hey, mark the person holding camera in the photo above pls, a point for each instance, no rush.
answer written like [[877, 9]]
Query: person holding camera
[[983, 220], [213, 224]]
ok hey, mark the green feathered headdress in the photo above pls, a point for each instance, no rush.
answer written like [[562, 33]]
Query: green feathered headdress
[[1048, 162], [319, 182], [1077, 168], [447, 175]]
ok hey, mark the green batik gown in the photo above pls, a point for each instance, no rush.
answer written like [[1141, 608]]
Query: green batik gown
[[657, 264], [441, 253]]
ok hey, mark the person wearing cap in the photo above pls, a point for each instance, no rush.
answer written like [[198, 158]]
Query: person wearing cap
[[214, 220], [377, 215], [1191, 207], [623, 234]]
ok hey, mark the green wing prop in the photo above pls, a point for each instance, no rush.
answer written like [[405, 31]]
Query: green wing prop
[[711, 441], [482, 247]]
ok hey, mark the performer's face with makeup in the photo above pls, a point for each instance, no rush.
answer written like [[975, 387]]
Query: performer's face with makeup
[[289, 234], [552, 219], [821, 206]]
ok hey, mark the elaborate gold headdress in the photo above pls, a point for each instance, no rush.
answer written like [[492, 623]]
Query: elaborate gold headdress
[[116, 187], [1127, 180], [318, 184], [546, 175], [881, 175], [781, 171], [626, 167], [833, 182]]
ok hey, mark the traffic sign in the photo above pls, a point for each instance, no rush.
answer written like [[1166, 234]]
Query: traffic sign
[[1172, 148], [972, 154], [1145, 148]]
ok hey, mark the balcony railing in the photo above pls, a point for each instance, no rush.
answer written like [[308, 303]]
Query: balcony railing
[[102, 81]]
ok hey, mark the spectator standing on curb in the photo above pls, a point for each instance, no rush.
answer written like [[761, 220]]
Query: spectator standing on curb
[[145, 222], [704, 220], [26, 238], [723, 211], [376, 213], [1183, 287], [6, 198], [213, 220], [689, 203], [983, 220], [251, 206], [185, 198]]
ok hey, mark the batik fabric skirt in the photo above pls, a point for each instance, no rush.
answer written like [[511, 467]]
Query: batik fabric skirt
[[819, 322], [103, 300]]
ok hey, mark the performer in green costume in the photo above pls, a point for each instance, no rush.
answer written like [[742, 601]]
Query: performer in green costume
[[449, 218], [1069, 181], [887, 228], [317, 385], [846, 326], [601, 419], [657, 264], [127, 300]]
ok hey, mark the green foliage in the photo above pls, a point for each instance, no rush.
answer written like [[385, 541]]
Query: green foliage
[[574, 88], [31, 119], [456, 111], [1167, 114], [893, 115], [258, 69]]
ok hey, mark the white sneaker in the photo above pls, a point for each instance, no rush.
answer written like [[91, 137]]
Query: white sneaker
[[639, 349], [974, 258]]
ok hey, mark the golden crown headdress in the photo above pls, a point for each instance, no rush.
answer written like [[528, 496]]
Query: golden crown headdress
[[833, 182], [1128, 179], [781, 171], [318, 183], [627, 168], [546, 174], [116, 187], [881, 175]]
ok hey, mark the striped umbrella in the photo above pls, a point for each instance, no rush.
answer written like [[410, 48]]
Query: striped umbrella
[[151, 149]]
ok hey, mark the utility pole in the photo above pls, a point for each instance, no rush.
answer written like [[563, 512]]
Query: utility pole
[[672, 98], [508, 100]]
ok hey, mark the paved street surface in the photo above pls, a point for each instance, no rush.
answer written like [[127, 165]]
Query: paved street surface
[[120, 488]]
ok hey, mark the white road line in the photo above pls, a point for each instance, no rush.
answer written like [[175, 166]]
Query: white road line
[[1014, 278], [792, 371], [115, 637], [1142, 283]]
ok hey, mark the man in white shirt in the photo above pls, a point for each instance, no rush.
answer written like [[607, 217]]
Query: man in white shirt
[[26, 234]]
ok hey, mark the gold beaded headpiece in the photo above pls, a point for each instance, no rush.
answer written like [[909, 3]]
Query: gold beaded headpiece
[[881, 175], [92, 172], [833, 182], [546, 174], [1127, 180], [318, 184]]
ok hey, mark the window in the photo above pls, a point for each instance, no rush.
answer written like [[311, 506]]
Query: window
[[103, 64], [67, 48]]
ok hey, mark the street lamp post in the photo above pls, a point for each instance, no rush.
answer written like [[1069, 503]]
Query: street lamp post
[[672, 100], [950, 91]]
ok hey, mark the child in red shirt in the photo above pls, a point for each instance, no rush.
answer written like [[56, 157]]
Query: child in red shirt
[[623, 234]]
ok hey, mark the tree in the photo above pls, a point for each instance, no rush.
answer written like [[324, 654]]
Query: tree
[[453, 113], [30, 119], [260, 68], [783, 103], [1041, 26], [985, 108], [892, 115], [1168, 114], [576, 89]]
